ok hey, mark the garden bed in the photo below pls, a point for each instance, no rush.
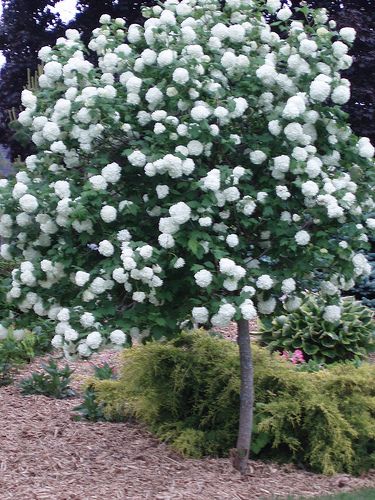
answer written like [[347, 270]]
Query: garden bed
[[45, 455]]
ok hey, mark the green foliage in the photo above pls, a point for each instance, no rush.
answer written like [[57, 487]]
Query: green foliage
[[6, 373], [324, 342], [53, 383], [90, 409], [104, 372], [187, 392]]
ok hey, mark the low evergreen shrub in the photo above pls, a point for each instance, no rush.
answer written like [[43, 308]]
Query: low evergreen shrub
[[187, 392], [351, 337]]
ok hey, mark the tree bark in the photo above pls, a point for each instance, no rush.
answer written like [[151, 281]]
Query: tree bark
[[240, 454]]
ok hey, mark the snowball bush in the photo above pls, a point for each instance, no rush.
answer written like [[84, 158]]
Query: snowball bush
[[203, 171]]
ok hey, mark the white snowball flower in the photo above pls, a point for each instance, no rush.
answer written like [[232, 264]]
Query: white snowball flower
[[282, 192], [70, 334], [314, 167], [292, 304], [365, 148], [154, 96], [293, 131], [267, 306], [257, 157], [63, 315], [181, 76], [332, 314], [81, 278], [308, 47], [106, 248], [28, 203], [302, 238], [264, 282], [117, 337], [180, 262], [203, 278], [180, 212], [137, 159], [284, 14], [111, 173], [282, 163], [212, 180], [149, 57], [200, 314], [319, 90], [274, 127], [288, 285], [166, 240], [3, 332], [166, 57], [62, 189], [139, 297], [28, 99], [227, 266], [340, 49], [162, 191], [53, 70], [87, 320], [108, 214], [195, 148], [57, 341], [94, 340], [84, 350], [199, 113], [341, 94], [232, 240], [98, 182], [348, 34], [310, 188], [294, 107], [248, 310]]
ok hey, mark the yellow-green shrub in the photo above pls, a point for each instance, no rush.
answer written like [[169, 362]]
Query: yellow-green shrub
[[187, 392]]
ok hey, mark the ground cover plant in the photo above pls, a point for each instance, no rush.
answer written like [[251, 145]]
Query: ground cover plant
[[187, 392], [223, 130]]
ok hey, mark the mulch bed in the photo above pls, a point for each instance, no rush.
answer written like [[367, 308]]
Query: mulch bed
[[45, 455]]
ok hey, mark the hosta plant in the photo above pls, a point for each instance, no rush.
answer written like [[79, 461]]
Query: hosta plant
[[350, 336]]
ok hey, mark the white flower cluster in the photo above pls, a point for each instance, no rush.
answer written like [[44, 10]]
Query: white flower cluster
[[193, 173]]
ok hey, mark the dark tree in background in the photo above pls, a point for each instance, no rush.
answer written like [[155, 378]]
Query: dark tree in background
[[360, 15], [89, 12], [26, 25]]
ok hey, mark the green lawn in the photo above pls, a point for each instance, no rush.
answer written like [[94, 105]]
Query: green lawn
[[355, 495], [367, 494]]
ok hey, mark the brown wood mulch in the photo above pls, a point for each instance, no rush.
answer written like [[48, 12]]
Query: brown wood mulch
[[45, 455]]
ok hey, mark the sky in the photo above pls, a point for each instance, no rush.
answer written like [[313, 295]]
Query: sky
[[66, 8]]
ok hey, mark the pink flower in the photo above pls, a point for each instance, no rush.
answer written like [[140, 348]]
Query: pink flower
[[297, 357]]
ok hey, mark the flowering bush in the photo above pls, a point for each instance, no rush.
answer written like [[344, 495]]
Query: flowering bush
[[202, 171], [324, 333]]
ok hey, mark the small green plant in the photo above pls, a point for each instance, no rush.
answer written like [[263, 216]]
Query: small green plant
[[90, 409], [6, 373], [350, 337], [104, 372], [53, 383]]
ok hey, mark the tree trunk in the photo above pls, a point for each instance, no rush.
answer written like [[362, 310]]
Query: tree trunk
[[240, 455]]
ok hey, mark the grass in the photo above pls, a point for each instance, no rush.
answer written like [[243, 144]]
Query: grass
[[366, 494]]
